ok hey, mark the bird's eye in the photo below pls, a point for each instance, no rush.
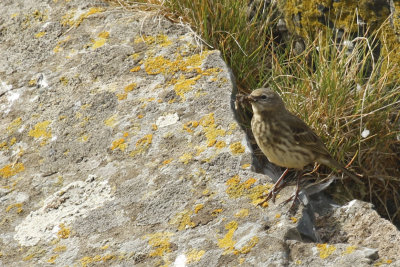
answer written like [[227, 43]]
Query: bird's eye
[[263, 97]]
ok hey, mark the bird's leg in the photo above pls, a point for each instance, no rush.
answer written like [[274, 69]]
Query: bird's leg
[[275, 189], [296, 194]]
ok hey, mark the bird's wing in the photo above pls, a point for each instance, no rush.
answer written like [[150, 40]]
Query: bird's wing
[[304, 136]]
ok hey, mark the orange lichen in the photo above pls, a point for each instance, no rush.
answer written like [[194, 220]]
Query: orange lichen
[[119, 143], [111, 121], [237, 148], [130, 87], [237, 189], [40, 34], [64, 232], [160, 243], [182, 219], [100, 40], [11, 170], [190, 125], [198, 207], [220, 144], [247, 248], [60, 249], [18, 206], [293, 219], [325, 251], [227, 241], [142, 145], [278, 215], [242, 213], [52, 259], [194, 255], [135, 69], [185, 158], [40, 130], [210, 129], [350, 249]]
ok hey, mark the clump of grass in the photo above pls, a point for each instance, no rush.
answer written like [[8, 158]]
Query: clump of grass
[[339, 89]]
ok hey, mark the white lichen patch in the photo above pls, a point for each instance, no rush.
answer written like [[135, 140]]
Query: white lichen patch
[[63, 207], [167, 120]]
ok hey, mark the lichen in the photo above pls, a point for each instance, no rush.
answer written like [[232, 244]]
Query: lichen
[[210, 129], [64, 231], [11, 170], [227, 241], [237, 148], [325, 250], [194, 255], [100, 40]]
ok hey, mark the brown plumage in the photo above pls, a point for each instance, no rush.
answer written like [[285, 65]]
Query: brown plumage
[[285, 139]]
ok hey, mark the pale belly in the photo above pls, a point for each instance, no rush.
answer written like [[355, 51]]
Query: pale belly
[[279, 151]]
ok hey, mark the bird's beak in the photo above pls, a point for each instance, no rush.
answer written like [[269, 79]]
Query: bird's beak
[[250, 98]]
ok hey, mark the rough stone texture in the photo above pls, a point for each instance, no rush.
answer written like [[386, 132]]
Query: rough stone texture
[[119, 147]]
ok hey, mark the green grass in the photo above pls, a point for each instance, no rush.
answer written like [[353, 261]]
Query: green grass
[[339, 92]]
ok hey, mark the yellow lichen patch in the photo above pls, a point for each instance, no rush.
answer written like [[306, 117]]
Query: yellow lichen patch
[[100, 40], [40, 34], [40, 130], [154, 127], [119, 143], [64, 80], [140, 116], [349, 250], [237, 148], [242, 213], [105, 247], [11, 170], [194, 255], [237, 189], [130, 87], [247, 248], [111, 121], [216, 211], [60, 249], [245, 166], [85, 261], [83, 138], [278, 215], [227, 241], [293, 219], [185, 158], [68, 19], [52, 259], [325, 251], [210, 129], [190, 125], [183, 85], [220, 144], [167, 161], [182, 219], [160, 39], [160, 243], [14, 125], [122, 96], [64, 232], [58, 47], [18, 207], [135, 69], [142, 145], [198, 207]]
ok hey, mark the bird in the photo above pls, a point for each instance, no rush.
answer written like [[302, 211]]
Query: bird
[[285, 139]]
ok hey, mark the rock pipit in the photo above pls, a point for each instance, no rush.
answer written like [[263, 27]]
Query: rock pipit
[[285, 139]]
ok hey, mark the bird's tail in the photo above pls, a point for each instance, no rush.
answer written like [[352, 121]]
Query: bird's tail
[[336, 165]]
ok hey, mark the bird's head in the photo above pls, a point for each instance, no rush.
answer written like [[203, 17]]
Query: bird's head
[[265, 99]]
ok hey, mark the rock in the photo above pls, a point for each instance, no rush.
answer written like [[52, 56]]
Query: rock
[[119, 147]]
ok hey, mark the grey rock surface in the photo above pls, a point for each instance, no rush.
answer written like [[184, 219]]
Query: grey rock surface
[[119, 147]]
